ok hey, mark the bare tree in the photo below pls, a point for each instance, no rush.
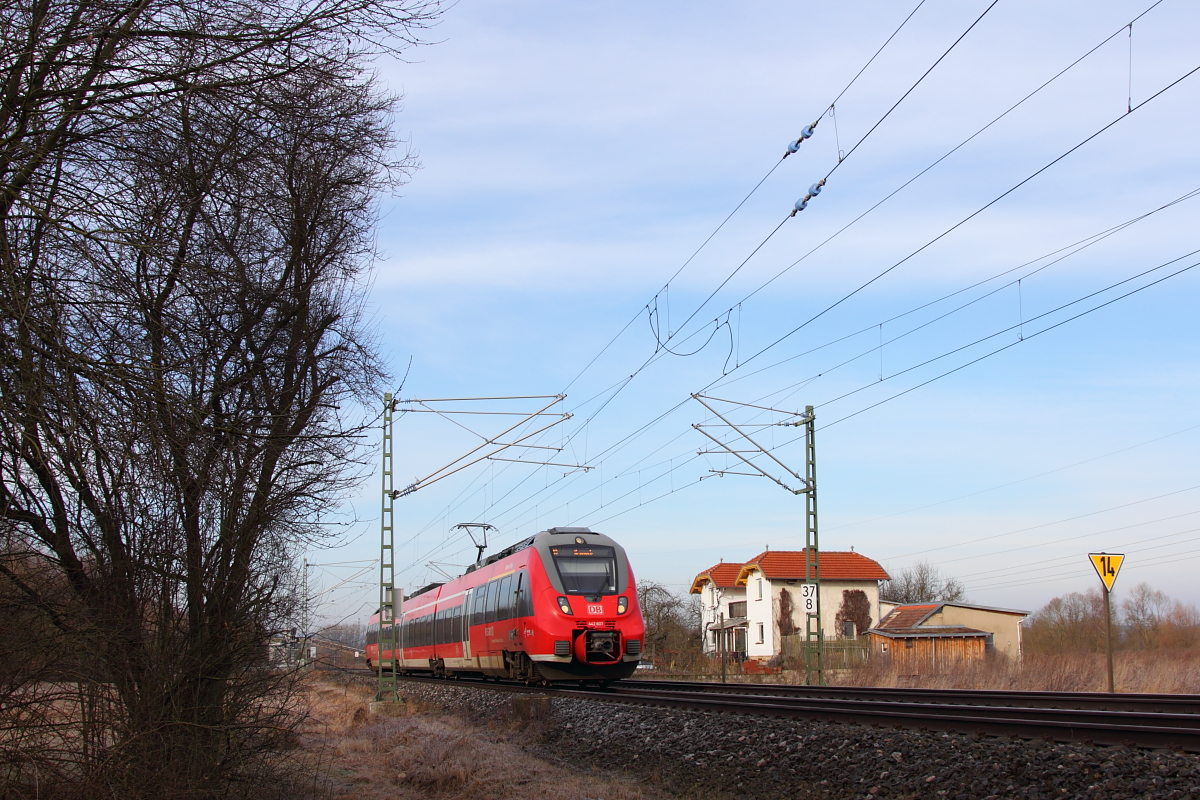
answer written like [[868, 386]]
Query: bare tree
[[186, 217], [672, 621], [921, 583], [1144, 614], [1073, 622]]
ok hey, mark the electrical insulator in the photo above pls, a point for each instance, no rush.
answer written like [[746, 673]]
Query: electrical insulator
[[804, 134]]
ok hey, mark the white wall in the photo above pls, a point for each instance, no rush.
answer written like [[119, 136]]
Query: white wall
[[714, 602], [764, 612]]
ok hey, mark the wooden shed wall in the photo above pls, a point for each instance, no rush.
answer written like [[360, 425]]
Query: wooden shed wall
[[929, 654]]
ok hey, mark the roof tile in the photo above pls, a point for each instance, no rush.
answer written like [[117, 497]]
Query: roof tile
[[721, 575], [834, 566]]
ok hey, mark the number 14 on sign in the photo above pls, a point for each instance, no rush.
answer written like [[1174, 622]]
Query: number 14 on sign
[[1107, 566]]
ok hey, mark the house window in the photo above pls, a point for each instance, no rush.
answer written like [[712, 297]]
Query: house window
[[990, 642], [848, 629], [759, 582], [760, 633], [737, 608], [908, 643]]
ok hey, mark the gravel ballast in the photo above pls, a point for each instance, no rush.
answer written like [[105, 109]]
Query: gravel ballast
[[701, 754]]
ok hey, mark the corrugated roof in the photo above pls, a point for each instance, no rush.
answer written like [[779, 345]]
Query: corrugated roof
[[908, 616], [833, 566], [928, 631], [721, 575]]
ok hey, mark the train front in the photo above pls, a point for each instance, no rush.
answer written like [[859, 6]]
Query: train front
[[589, 623]]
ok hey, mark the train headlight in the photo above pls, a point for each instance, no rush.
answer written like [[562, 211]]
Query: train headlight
[[622, 605], [564, 605]]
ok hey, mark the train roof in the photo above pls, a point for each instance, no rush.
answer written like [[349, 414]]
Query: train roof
[[597, 538]]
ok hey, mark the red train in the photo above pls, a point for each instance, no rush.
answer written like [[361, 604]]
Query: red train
[[560, 605]]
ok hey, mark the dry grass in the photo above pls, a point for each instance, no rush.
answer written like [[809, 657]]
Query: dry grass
[[1161, 671], [424, 753]]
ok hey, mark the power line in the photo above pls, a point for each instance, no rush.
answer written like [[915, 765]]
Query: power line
[[1074, 248], [625, 382], [816, 187], [912, 88], [1049, 524], [1014, 344], [1063, 322], [970, 216], [1012, 483], [661, 344]]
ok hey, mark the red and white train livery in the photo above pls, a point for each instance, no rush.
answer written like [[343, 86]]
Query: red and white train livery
[[561, 605]]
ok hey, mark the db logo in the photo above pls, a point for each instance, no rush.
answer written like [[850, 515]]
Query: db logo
[[595, 608]]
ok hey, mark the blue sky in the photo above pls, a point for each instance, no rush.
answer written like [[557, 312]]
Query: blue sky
[[574, 156]]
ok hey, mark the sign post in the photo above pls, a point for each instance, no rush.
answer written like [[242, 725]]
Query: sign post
[[1107, 565]]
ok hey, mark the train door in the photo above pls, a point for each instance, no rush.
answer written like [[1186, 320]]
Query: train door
[[464, 634], [475, 626], [520, 588], [505, 632]]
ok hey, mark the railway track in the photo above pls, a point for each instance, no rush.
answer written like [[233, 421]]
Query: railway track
[[1146, 721]]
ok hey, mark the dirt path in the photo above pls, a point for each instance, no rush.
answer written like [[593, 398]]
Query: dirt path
[[427, 753]]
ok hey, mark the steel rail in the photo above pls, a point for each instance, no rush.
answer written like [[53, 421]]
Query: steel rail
[[1144, 727], [1100, 701]]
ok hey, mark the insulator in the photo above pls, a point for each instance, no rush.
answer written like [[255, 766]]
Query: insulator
[[808, 131], [815, 189], [794, 146], [802, 203]]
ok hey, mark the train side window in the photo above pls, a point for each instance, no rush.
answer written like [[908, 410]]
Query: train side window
[[524, 596], [460, 630], [480, 601], [493, 589], [443, 634], [504, 605]]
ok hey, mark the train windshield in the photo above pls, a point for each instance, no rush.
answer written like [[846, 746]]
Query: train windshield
[[586, 569]]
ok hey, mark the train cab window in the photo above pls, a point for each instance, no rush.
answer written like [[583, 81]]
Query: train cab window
[[504, 605], [493, 591], [586, 569]]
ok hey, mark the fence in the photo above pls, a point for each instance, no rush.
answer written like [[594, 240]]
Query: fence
[[839, 653]]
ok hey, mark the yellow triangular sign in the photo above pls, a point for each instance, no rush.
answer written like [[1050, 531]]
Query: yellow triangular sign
[[1107, 566]]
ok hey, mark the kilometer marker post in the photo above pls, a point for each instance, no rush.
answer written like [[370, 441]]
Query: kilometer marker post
[[1107, 565]]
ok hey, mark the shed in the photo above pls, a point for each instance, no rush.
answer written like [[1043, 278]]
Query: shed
[[933, 637]]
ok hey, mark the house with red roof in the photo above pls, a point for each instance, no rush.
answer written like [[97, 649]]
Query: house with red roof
[[722, 608], [754, 604]]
